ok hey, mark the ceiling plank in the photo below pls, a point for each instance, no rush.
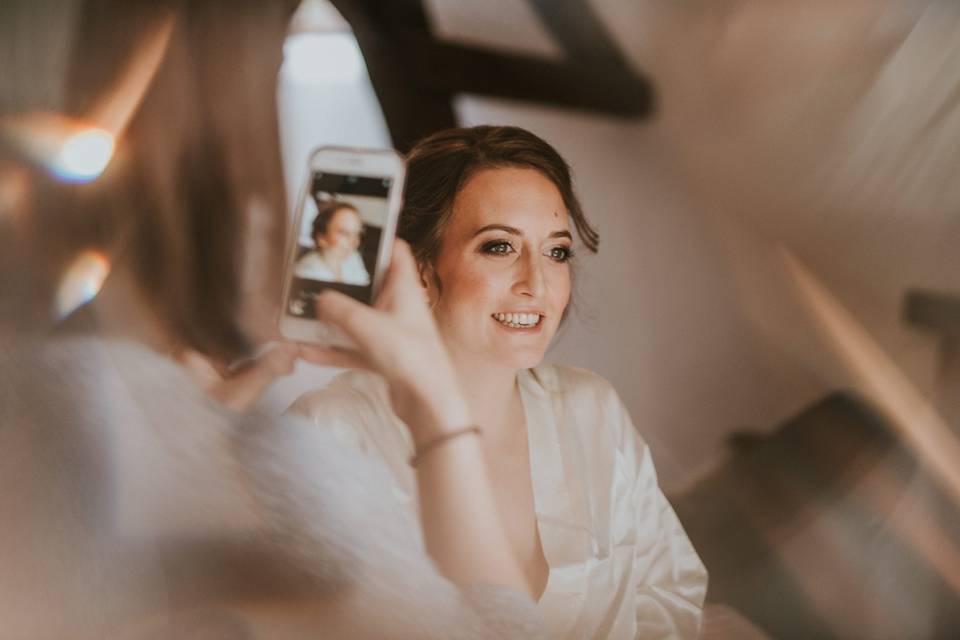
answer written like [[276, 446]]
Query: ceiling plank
[[416, 76]]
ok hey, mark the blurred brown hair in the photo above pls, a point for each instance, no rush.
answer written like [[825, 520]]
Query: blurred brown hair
[[326, 209], [201, 148], [439, 166]]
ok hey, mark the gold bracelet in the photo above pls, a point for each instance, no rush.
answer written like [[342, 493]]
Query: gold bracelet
[[439, 440]]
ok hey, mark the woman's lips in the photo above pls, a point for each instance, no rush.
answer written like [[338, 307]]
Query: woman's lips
[[519, 319]]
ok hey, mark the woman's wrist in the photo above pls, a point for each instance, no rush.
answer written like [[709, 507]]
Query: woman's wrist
[[437, 409], [425, 449]]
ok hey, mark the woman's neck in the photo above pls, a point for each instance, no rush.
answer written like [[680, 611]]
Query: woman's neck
[[492, 393], [333, 262]]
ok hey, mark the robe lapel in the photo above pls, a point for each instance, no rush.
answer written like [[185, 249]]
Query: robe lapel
[[559, 500]]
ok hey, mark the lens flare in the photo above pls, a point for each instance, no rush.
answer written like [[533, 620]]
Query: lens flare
[[84, 156], [82, 281]]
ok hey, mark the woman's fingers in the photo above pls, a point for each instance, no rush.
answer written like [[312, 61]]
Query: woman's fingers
[[402, 264], [200, 369], [242, 390], [240, 387], [334, 357], [279, 360], [403, 290], [362, 324]]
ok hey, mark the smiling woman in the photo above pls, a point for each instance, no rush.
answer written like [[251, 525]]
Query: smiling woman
[[500, 281], [489, 212]]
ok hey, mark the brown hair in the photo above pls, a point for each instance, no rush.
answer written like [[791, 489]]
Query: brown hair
[[439, 166], [201, 147], [326, 209]]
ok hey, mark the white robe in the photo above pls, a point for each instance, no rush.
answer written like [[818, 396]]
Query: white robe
[[313, 266], [620, 563]]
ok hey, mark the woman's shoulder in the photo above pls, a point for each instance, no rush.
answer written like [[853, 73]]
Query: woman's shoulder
[[350, 391], [118, 378], [566, 379], [311, 255], [587, 401], [355, 407], [312, 264]]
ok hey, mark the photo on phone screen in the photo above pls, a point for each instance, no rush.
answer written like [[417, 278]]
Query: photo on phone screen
[[338, 239]]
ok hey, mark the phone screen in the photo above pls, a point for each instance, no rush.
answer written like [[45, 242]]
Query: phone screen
[[338, 239]]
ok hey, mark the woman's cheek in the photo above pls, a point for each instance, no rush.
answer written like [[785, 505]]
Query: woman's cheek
[[474, 285], [561, 288]]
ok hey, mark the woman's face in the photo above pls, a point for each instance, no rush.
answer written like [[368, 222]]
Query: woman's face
[[503, 267], [342, 235]]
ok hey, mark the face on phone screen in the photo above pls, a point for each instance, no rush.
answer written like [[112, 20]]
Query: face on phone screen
[[338, 239]]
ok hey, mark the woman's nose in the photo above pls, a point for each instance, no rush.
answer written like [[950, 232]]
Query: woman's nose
[[530, 280]]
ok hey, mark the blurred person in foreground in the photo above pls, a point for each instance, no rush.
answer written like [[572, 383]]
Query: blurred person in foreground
[[134, 505], [490, 213]]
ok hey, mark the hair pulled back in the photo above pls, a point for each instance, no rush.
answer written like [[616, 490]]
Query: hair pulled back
[[440, 165]]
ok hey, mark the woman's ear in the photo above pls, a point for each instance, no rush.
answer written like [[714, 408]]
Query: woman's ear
[[429, 282]]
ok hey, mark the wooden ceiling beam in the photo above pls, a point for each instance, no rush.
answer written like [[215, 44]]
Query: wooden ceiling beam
[[416, 76]]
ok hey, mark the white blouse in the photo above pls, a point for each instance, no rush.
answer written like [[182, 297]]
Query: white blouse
[[313, 266], [620, 563]]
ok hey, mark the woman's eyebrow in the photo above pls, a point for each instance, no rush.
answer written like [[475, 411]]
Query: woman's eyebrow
[[498, 227], [563, 233]]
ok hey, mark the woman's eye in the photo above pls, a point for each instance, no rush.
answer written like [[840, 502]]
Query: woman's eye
[[497, 247], [561, 254]]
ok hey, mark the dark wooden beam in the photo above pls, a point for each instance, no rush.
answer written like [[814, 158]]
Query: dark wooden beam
[[933, 311], [574, 84], [416, 76], [579, 32], [411, 111]]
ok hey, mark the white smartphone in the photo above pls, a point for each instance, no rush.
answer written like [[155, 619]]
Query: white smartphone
[[342, 235]]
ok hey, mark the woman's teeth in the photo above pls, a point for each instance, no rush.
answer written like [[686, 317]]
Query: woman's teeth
[[518, 320]]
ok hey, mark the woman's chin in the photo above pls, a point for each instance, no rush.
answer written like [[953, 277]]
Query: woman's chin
[[497, 352], [520, 359]]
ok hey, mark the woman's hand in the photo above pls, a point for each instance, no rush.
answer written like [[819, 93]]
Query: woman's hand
[[398, 338], [240, 387]]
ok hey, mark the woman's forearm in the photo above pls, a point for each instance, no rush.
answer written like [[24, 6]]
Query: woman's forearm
[[461, 524], [398, 338], [462, 528]]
